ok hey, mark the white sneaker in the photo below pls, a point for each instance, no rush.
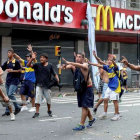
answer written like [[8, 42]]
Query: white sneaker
[[12, 117], [32, 109], [28, 101], [24, 108], [115, 118], [103, 116]]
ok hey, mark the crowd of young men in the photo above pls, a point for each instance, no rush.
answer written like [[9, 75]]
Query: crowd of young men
[[37, 77], [37, 81]]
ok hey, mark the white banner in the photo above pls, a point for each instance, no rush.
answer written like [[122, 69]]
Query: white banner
[[92, 45]]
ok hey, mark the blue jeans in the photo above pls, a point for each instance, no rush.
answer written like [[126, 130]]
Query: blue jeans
[[11, 89]]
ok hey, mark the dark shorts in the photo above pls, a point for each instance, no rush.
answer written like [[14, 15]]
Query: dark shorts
[[27, 88], [125, 82], [86, 99]]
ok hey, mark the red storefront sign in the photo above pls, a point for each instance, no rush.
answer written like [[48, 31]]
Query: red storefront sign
[[56, 13], [61, 13]]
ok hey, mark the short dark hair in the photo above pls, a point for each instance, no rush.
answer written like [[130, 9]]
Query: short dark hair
[[44, 54], [11, 50], [83, 55], [28, 55]]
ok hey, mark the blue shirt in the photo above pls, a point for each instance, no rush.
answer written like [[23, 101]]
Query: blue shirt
[[12, 77], [114, 82], [29, 72]]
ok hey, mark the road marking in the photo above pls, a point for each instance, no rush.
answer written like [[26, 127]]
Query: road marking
[[128, 105], [54, 119], [119, 111], [129, 99]]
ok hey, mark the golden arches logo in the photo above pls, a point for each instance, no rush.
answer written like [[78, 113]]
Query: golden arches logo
[[104, 17]]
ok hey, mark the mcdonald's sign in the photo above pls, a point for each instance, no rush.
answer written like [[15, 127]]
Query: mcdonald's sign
[[104, 17]]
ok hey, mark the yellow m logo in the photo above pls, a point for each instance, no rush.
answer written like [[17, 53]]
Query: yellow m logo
[[104, 17]]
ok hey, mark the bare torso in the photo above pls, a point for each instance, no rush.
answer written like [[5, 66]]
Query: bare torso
[[104, 76]]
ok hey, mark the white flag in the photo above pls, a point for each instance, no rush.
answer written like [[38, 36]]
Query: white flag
[[92, 45]]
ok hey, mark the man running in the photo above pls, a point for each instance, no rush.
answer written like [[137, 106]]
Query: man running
[[13, 68], [3, 98], [114, 88], [27, 86], [43, 72], [85, 97]]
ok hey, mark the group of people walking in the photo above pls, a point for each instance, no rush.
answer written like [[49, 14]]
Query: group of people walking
[[39, 77]]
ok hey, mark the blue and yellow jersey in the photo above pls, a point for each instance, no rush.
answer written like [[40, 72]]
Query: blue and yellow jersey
[[29, 72], [114, 82], [125, 74]]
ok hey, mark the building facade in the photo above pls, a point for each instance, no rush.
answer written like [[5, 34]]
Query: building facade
[[46, 24]]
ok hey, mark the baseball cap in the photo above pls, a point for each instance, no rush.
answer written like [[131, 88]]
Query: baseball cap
[[28, 55]]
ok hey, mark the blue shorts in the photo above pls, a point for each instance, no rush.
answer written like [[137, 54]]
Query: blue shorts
[[27, 88], [86, 99]]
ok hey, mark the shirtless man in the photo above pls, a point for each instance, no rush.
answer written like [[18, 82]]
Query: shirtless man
[[3, 98], [104, 78], [85, 98]]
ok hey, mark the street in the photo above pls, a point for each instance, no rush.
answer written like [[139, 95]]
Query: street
[[66, 115]]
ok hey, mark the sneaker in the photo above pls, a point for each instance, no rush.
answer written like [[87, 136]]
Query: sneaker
[[90, 123], [28, 101], [17, 111], [50, 113], [12, 117], [115, 118], [79, 128], [94, 110], [36, 115], [6, 114], [32, 109], [24, 108], [103, 116]]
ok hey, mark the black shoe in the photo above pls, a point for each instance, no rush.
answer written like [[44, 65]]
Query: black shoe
[[36, 115], [50, 113], [6, 114], [95, 110], [17, 111]]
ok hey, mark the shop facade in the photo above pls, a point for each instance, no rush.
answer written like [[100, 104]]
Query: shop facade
[[46, 24]]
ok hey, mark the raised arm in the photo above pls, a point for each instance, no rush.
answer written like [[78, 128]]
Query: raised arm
[[65, 67], [83, 66], [114, 63], [131, 66], [97, 65], [98, 59], [18, 57], [29, 64], [30, 48]]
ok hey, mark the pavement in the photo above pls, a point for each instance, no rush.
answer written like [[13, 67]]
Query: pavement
[[66, 115]]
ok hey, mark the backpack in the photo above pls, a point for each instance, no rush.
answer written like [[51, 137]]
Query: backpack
[[120, 77], [79, 83]]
